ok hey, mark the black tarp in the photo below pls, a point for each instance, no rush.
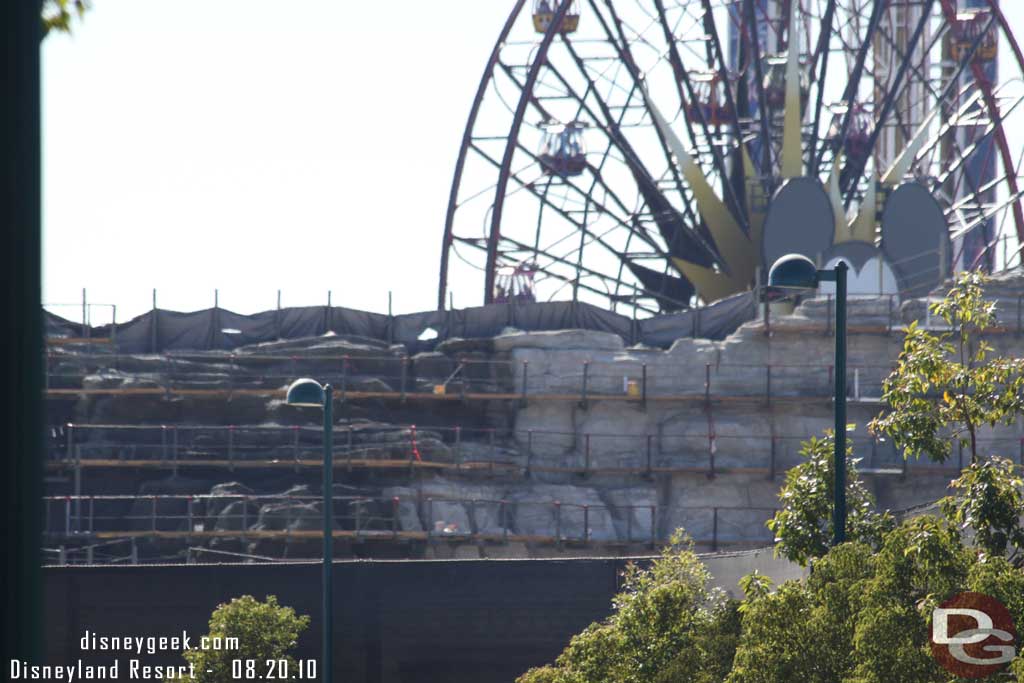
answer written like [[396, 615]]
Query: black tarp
[[219, 329]]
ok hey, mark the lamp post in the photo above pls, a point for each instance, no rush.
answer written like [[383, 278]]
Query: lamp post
[[310, 394], [797, 272]]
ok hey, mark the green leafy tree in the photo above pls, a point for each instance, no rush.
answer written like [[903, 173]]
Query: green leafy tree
[[57, 14], [990, 501], [667, 625], [803, 526], [945, 387], [265, 630]]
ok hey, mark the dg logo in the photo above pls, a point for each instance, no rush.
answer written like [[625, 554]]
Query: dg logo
[[973, 635]]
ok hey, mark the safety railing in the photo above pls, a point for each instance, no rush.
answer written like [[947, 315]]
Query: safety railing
[[457, 447], [397, 518], [629, 378]]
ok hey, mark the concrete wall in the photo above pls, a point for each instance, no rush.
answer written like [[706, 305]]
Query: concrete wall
[[478, 621]]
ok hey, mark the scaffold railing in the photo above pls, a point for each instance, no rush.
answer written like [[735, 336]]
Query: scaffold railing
[[515, 450], [416, 517]]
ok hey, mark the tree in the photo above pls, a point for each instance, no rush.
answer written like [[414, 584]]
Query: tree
[[945, 387], [803, 527], [990, 502], [667, 625], [57, 14], [265, 631]]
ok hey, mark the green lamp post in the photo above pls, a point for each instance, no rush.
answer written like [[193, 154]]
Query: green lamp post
[[310, 394], [797, 272]]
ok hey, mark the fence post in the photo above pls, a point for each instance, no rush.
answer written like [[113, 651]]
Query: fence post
[[654, 519], [768, 385], [714, 530], [586, 454], [344, 377], [154, 325], [643, 385], [586, 523], [707, 383], [67, 516], [405, 374], [558, 521], [503, 512], [771, 465], [650, 445], [529, 450], [711, 454], [526, 367], [394, 517], [71, 442], [231, 448], [583, 389]]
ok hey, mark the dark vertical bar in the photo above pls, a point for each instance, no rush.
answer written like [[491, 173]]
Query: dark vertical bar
[[153, 326], [714, 530], [768, 385], [650, 445], [586, 523], [394, 517], [526, 376], [586, 459], [839, 461], [643, 385], [328, 536], [771, 465], [405, 375], [707, 383], [583, 389]]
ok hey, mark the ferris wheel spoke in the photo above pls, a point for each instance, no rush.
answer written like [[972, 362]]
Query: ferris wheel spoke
[[823, 52], [887, 104], [674, 232], [850, 93]]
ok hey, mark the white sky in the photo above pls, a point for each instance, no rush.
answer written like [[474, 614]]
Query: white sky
[[254, 146]]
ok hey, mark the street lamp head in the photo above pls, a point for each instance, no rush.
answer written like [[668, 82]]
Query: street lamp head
[[305, 392], [793, 271]]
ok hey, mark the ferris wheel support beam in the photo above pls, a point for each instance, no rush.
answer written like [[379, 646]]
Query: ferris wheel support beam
[[723, 72], [823, 51], [762, 103], [626, 55], [890, 101], [467, 138], [851, 85], [539, 61], [1004, 147]]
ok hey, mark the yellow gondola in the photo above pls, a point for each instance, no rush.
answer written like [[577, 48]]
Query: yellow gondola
[[544, 15], [971, 24]]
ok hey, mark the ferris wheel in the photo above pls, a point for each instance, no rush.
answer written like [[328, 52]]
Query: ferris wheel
[[649, 154]]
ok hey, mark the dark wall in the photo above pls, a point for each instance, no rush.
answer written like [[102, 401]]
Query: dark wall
[[477, 621]]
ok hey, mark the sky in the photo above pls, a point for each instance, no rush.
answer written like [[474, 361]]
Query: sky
[[255, 146]]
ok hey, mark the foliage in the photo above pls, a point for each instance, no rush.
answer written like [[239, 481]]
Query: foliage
[[990, 502], [803, 527], [863, 615], [666, 626], [57, 14], [265, 630], [945, 387]]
